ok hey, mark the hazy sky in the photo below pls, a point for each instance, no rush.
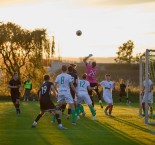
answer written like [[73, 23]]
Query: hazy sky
[[106, 24]]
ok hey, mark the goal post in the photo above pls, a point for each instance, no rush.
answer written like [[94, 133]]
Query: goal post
[[146, 75]]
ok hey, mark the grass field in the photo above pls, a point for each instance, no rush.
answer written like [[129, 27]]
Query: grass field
[[124, 128]]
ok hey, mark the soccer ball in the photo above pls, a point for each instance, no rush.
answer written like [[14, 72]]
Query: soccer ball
[[78, 32], [90, 55]]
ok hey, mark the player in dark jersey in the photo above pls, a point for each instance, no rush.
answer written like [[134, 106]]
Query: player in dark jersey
[[15, 86], [46, 105], [75, 78], [122, 90]]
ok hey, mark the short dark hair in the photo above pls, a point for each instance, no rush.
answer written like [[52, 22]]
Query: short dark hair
[[107, 75], [84, 76], [73, 64], [46, 77], [93, 64], [70, 69], [64, 68]]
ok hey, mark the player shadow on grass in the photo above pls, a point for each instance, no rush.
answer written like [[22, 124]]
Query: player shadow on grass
[[95, 132], [125, 122]]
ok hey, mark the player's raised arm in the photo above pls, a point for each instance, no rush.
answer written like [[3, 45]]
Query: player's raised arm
[[86, 58]]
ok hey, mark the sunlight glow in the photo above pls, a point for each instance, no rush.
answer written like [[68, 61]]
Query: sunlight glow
[[104, 27]]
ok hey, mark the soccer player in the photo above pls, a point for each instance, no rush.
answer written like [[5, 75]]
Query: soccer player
[[82, 88], [108, 86], [46, 105], [91, 77], [74, 79], [63, 82], [15, 86], [76, 73], [122, 90], [150, 96]]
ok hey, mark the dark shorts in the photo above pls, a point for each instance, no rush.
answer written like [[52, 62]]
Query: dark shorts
[[93, 85], [27, 93], [122, 93], [47, 106], [15, 96]]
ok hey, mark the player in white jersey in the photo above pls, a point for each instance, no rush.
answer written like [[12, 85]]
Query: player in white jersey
[[63, 82], [150, 96], [82, 90], [108, 86]]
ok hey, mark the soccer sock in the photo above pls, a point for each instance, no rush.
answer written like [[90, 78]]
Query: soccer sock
[[91, 97], [101, 104], [81, 109], [77, 110], [110, 109], [93, 112], [151, 109], [98, 94], [107, 108], [58, 118], [73, 116], [53, 118], [69, 111], [143, 107], [38, 117]]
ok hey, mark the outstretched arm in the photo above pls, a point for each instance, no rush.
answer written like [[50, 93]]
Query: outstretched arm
[[86, 58]]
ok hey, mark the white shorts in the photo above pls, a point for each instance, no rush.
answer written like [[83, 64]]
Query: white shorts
[[150, 98], [67, 97], [82, 96], [108, 98]]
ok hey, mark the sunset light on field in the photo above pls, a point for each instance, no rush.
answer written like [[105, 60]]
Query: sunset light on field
[[105, 24]]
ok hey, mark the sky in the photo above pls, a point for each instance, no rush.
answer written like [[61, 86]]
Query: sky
[[105, 24]]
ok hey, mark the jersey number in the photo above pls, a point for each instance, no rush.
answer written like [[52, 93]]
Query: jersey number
[[82, 83], [62, 80], [43, 89], [92, 73]]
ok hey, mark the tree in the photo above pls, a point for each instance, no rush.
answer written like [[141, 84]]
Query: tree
[[21, 48], [124, 54]]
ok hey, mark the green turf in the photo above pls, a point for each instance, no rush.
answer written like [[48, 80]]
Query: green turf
[[124, 128]]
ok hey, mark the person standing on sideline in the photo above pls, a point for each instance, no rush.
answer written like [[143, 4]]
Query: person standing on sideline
[[28, 88], [91, 71], [15, 86], [46, 105], [122, 90], [108, 86], [63, 82]]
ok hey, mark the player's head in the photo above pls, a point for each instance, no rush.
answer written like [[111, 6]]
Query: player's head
[[70, 69], [28, 78], [93, 64], [73, 65], [15, 76], [84, 76], [122, 81], [46, 77], [64, 68], [107, 77]]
